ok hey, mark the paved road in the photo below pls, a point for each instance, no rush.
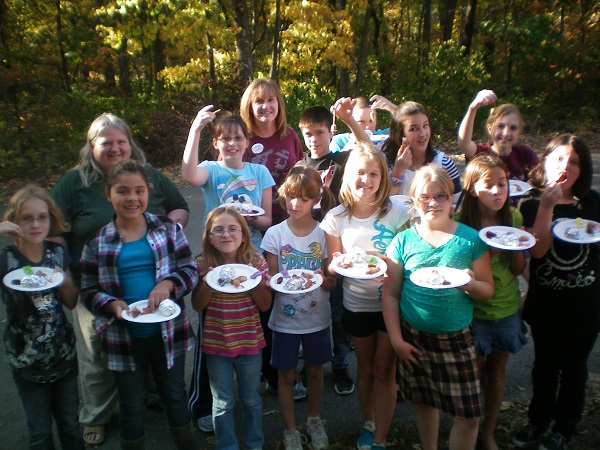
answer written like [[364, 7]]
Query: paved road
[[342, 414]]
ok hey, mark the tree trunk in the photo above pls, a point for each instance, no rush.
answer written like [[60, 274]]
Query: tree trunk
[[426, 41], [447, 9], [64, 70], [243, 40], [158, 55], [362, 55], [466, 35], [124, 74], [274, 72]]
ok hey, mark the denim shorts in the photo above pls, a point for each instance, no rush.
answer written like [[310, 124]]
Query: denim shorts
[[316, 348], [363, 324], [501, 335]]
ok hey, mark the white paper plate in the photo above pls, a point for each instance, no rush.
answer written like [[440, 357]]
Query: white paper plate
[[212, 279], [452, 277], [316, 278], [499, 231], [584, 237], [153, 317], [518, 188], [256, 210], [55, 277], [359, 270]]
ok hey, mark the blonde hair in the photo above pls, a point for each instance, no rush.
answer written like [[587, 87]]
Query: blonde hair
[[58, 224], [499, 113], [262, 88], [428, 174], [361, 152], [246, 251]]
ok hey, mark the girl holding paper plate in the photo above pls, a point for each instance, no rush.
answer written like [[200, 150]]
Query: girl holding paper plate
[[429, 321], [497, 324], [563, 302]]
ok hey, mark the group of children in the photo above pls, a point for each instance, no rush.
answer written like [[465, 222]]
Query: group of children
[[452, 344]]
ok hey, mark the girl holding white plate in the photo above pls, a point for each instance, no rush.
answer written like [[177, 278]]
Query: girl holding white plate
[[300, 318], [563, 302], [367, 218], [39, 340], [497, 325], [232, 352], [430, 328], [140, 256]]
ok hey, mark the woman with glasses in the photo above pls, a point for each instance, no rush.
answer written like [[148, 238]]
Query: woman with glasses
[[229, 180], [429, 325]]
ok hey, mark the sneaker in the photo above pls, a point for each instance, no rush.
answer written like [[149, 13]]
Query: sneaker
[[527, 436], [205, 424], [299, 391], [318, 436], [292, 440], [271, 389], [343, 383], [366, 438], [556, 441]]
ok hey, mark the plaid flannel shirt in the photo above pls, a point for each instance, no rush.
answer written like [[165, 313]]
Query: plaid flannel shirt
[[100, 285]]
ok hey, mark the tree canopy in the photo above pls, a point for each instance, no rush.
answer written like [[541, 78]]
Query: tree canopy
[[156, 62]]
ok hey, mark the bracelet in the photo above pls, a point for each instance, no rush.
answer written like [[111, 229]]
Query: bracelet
[[397, 181]]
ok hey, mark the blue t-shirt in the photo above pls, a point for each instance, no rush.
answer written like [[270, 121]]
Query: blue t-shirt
[[246, 185], [436, 311], [137, 279], [339, 141]]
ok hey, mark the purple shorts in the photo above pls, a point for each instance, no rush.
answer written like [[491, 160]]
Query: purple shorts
[[315, 346]]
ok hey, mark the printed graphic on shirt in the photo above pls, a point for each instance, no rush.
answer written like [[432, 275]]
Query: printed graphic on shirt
[[229, 191], [292, 258], [383, 238]]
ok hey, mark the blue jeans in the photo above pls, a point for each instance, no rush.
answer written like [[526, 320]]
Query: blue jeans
[[133, 388], [341, 340], [42, 402], [221, 371]]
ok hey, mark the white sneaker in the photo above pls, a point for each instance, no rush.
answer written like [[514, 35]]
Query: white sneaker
[[318, 436], [292, 440], [300, 391]]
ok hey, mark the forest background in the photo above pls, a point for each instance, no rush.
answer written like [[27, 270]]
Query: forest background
[[156, 62]]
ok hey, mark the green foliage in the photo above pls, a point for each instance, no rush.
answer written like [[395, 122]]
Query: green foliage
[[149, 61]]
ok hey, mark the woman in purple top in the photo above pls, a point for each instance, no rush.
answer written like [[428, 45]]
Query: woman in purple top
[[504, 127]]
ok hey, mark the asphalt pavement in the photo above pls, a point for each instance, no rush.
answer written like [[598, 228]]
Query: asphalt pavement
[[342, 413]]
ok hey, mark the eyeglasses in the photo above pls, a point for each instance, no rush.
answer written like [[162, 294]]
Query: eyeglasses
[[440, 198], [28, 220], [228, 140], [218, 232]]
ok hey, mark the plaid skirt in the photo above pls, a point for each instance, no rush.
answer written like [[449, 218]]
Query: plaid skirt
[[447, 378]]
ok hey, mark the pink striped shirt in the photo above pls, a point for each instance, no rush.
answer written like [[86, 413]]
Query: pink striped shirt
[[232, 323]]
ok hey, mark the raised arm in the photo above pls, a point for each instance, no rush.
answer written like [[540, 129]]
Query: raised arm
[[380, 102], [190, 172], [542, 224], [465, 131], [343, 109]]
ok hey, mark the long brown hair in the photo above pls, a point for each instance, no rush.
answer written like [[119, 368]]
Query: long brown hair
[[261, 88], [476, 169], [399, 120], [246, 252], [537, 176]]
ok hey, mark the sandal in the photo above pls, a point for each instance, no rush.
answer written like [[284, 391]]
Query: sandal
[[93, 434]]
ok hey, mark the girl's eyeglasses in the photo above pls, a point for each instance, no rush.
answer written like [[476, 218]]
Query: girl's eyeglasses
[[440, 198], [28, 220], [218, 232], [236, 139]]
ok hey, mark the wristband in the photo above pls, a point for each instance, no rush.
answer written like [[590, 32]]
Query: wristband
[[397, 181]]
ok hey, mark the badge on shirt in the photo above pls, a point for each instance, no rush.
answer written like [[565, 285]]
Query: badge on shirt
[[257, 148]]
